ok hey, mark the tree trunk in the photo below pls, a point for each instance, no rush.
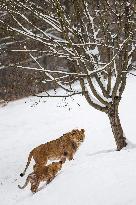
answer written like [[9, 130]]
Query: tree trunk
[[116, 127]]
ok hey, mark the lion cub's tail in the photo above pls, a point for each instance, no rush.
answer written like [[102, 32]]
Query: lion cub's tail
[[26, 183], [28, 162]]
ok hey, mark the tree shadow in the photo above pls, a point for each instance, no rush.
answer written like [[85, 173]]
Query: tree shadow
[[101, 152], [129, 146]]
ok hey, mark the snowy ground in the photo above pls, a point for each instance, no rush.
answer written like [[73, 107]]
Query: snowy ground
[[98, 176]]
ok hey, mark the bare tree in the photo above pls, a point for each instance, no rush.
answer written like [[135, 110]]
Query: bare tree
[[96, 37]]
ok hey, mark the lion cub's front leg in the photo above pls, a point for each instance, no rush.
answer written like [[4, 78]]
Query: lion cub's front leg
[[49, 180]]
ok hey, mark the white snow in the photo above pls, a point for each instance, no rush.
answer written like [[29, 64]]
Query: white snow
[[94, 51], [98, 175]]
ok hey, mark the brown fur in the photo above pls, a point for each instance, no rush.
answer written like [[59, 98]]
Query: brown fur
[[46, 173], [54, 150]]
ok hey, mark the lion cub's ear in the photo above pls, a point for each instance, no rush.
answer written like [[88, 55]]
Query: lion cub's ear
[[82, 130]]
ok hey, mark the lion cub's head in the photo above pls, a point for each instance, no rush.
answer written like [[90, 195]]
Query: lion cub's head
[[78, 135]]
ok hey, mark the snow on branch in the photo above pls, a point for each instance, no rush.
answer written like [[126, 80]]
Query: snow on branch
[[96, 38]]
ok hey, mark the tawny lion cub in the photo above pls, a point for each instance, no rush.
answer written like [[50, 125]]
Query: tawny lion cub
[[46, 173], [54, 149]]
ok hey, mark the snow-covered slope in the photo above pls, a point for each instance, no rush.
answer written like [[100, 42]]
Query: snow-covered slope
[[97, 176]]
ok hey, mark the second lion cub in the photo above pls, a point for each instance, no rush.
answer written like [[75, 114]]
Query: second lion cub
[[46, 173]]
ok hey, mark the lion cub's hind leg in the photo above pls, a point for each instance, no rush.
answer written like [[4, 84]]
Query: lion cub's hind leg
[[34, 185], [32, 178], [40, 162]]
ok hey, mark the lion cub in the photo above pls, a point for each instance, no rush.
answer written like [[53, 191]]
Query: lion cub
[[46, 173], [54, 149]]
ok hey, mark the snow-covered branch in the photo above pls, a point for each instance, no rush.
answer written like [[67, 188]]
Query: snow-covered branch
[[97, 39]]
